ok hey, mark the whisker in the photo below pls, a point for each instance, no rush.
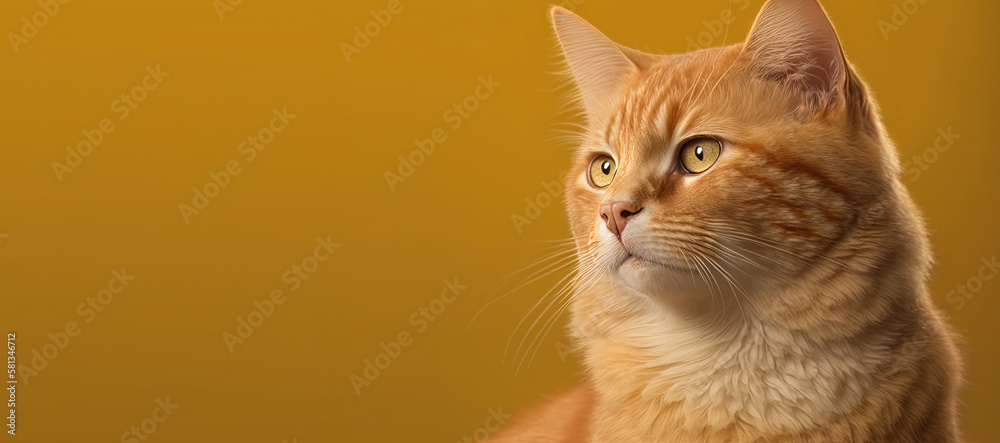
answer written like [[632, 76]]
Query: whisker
[[546, 327], [561, 284], [567, 292], [557, 261], [771, 244]]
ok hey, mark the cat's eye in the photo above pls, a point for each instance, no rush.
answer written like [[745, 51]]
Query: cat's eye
[[700, 154], [602, 171]]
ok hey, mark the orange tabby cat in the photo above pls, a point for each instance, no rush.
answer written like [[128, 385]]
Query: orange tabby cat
[[754, 268]]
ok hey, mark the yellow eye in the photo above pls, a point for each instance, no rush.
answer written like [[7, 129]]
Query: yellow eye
[[602, 171], [700, 154]]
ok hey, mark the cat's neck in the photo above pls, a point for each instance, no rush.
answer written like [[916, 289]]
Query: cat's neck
[[680, 380]]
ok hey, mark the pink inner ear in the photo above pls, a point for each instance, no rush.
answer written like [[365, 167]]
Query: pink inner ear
[[794, 38], [827, 71]]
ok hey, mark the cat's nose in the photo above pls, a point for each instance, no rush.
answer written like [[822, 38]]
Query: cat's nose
[[616, 215]]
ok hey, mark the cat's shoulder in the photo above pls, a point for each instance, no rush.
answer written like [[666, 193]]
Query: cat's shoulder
[[563, 418]]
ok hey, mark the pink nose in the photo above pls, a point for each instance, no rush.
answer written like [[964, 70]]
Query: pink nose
[[616, 214]]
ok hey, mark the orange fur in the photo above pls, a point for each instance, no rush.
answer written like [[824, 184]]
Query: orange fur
[[779, 296]]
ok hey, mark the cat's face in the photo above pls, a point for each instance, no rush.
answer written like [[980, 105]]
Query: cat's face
[[725, 172]]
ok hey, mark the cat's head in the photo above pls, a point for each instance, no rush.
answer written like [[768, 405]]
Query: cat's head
[[727, 172]]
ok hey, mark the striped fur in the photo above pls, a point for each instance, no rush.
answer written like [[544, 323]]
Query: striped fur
[[782, 295]]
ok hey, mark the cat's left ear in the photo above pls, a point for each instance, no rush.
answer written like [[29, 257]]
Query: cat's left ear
[[794, 41]]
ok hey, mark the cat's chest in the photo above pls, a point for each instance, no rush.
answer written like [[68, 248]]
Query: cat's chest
[[782, 383]]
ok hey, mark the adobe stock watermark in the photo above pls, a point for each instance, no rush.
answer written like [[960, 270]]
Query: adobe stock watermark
[[455, 116], [88, 311], [365, 33], [12, 383], [914, 345], [901, 13], [265, 308], [223, 7], [147, 427], [920, 163], [122, 107], [974, 284], [420, 320], [495, 420], [716, 28], [564, 351], [533, 206], [249, 148], [30, 26]]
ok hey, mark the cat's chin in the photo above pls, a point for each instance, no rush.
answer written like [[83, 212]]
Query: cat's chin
[[634, 262], [667, 285]]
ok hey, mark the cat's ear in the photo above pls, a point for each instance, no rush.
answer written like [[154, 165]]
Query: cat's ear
[[793, 40], [598, 65]]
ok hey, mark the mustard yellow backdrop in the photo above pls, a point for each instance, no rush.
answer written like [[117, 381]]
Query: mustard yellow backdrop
[[264, 221]]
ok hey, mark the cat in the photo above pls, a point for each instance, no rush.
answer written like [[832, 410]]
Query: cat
[[753, 268]]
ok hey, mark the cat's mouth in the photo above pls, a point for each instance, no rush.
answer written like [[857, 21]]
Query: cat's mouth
[[642, 262], [638, 258], [637, 269]]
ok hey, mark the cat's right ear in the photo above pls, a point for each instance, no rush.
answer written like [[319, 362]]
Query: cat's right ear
[[598, 65]]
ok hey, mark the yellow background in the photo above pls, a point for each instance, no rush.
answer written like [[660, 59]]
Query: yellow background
[[324, 175]]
